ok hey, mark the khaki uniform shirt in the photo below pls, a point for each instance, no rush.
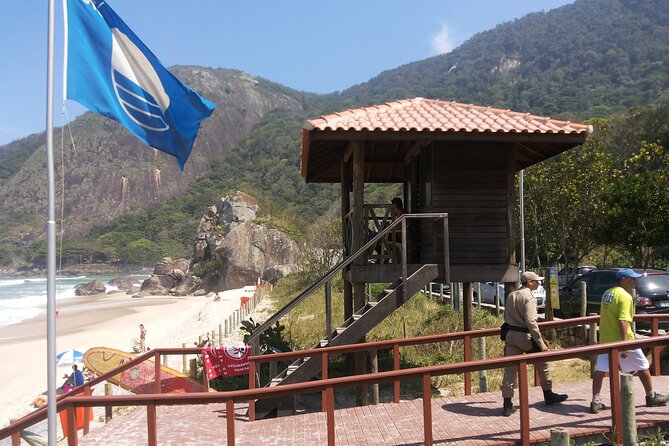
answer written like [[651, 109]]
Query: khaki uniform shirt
[[520, 310]]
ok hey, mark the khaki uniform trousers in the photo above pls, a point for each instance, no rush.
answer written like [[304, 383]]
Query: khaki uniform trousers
[[516, 343]]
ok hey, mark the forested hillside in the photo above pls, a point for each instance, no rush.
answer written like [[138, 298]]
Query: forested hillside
[[582, 61], [587, 59]]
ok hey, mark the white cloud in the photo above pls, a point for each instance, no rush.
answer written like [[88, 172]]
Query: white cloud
[[442, 42]]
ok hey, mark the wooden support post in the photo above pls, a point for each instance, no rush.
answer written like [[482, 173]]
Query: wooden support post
[[559, 436], [156, 381], [548, 310], [467, 358], [328, 310], [16, 437], [193, 368], [152, 427], [184, 360], [592, 338], [657, 351], [523, 402], [72, 439], [87, 411], [252, 385], [324, 375], [468, 291], [498, 298], [427, 409], [584, 305], [329, 392], [483, 375], [375, 369], [226, 328], [230, 421], [396, 366], [108, 409], [614, 382], [627, 409]]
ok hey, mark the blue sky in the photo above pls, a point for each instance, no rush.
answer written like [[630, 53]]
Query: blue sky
[[306, 45]]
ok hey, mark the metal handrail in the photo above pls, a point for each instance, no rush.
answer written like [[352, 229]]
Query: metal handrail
[[345, 263], [326, 386]]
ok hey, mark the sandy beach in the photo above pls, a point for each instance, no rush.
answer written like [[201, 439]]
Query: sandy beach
[[109, 320]]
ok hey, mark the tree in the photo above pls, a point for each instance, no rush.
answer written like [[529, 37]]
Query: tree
[[563, 204], [637, 205]]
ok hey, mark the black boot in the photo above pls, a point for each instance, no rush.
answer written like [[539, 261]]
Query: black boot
[[553, 398], [508, 407]]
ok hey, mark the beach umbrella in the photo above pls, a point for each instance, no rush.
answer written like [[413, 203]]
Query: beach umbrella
[[69, 357]]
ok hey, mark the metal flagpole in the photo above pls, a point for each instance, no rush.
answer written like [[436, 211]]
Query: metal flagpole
[[522, 220], [51, 242]]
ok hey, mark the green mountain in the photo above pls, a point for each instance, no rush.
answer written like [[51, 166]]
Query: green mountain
[[588, 59]]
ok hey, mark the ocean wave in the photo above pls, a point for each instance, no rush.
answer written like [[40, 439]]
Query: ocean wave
[[10, 282]]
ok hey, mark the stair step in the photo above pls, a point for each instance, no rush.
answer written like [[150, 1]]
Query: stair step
[[324, 343], [275, 382], [356, 316], [372, 303], [292, 368], [340, 330]]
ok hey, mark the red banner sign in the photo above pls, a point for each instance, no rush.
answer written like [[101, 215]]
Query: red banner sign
[[226, 361]]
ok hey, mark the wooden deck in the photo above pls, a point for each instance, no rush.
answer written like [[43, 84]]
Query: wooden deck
[[473, 420]]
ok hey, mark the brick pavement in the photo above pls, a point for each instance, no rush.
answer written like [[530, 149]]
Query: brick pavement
[[474, 420]]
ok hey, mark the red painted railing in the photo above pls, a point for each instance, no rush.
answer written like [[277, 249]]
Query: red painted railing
[[327, 385]]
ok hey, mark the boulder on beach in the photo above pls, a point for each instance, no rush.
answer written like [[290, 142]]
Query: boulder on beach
[[188, 286], [123, 284], [158, 284], [90, 288], [167, 265]]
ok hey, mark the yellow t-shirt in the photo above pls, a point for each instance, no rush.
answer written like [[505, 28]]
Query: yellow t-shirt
[[617, 305]]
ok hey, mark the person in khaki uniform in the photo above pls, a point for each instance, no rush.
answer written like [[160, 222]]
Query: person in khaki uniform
[[523, 336]]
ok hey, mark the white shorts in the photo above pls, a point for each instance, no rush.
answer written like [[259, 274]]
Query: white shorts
[[634, 362]]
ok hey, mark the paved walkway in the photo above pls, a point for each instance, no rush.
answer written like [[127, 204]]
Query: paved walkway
[[471, 421]]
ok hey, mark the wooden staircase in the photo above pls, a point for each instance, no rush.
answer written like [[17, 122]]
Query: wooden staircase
[[351, 331]]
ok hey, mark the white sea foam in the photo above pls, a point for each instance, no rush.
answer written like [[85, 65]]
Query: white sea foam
[[11, 282], [26, 297]]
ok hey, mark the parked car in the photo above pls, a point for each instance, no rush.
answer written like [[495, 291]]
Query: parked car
[[488, 294], [652, 292], [567, 275], [436, 287], [540, 296]]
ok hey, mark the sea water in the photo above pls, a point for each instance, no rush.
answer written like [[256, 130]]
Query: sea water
[[26, 297]]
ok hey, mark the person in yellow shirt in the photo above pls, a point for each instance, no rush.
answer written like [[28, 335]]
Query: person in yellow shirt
[[615, 324]]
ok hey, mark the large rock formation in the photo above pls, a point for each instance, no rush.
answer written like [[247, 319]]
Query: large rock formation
[[89, 288], [243, 250], [171, 277]]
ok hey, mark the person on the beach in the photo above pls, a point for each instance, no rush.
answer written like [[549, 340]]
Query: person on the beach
[[615, 324], [77, 376], [142, 338], [523, 336]]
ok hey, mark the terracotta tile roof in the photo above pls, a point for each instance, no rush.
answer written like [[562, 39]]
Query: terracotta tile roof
[[420, 114]]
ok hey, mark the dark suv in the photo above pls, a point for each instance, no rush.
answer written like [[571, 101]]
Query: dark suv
[[652, 292]]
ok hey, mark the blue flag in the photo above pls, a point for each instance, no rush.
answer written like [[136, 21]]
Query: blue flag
[[111, 72]]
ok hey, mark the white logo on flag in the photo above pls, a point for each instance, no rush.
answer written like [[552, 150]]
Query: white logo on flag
[[137, 85]]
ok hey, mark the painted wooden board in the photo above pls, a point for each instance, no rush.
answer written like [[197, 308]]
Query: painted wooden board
[[138, 379]]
